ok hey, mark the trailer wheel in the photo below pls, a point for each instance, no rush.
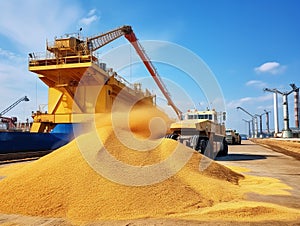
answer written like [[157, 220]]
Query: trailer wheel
[[203, 145], [173, 136], [224, 148], [233, 141], [195, 142]]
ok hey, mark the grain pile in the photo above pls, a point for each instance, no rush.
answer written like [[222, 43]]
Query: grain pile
[[64, 185], [289, 146]]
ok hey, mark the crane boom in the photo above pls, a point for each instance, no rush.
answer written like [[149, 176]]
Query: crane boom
[[147, 62], [246, 112], [97, 42], [25, 98]]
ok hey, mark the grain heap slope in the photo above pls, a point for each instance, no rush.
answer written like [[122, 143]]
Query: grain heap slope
[[62, 184]]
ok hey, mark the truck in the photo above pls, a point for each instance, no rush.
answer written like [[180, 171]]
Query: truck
[[233, 137], [201, 131]]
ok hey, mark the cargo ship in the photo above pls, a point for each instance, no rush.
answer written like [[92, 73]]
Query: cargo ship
[[71, 70]]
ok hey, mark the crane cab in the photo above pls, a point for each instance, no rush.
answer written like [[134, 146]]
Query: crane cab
[[202, 131], [201, 115], [67, 47]]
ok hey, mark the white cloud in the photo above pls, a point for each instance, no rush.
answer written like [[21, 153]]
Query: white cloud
[[88, 20], [7, 55], [270, 67], [266, 107], [92, 12], [27, 24], [248, 101], [24, 27], [256, 83], [91, 17], [254, 105], [17, 82]]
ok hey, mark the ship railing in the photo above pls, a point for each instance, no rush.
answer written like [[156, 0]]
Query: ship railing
[[49, 58], [123, 80], [133, 87]]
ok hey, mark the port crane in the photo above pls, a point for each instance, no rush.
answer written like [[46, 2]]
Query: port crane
[[91, 44], [68, 59], [10, 122], [25, 98], [65, 63]]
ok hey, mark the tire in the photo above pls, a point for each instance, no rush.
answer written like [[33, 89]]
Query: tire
[[203, 145], [224, 149], [172, 136], [233, 141], [195, 142]]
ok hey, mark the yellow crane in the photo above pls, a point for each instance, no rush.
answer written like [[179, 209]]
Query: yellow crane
[[67, 60]]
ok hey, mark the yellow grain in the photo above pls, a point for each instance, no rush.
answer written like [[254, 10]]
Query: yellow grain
[[6, 170], [64, 185]]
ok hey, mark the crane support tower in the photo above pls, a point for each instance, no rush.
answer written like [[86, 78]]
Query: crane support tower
[[286, 132], [296, 104]]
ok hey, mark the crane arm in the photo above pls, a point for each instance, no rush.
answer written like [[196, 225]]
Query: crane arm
[[13, 105], [147, 62], [272, 91], [97, 42], [246, 112]]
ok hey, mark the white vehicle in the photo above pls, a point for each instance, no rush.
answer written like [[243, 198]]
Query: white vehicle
[[202, 131], [233, 137]]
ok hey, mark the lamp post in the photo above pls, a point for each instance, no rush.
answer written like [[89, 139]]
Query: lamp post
[[254, 122], [249, 127], [275, 100]]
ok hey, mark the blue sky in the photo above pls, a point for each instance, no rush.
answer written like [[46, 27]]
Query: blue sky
[[248, 45]]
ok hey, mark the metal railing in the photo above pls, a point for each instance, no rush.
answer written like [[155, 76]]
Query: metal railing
[[48, 58]]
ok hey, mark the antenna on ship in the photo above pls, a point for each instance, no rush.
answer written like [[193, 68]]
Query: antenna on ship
[[79, 33]]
